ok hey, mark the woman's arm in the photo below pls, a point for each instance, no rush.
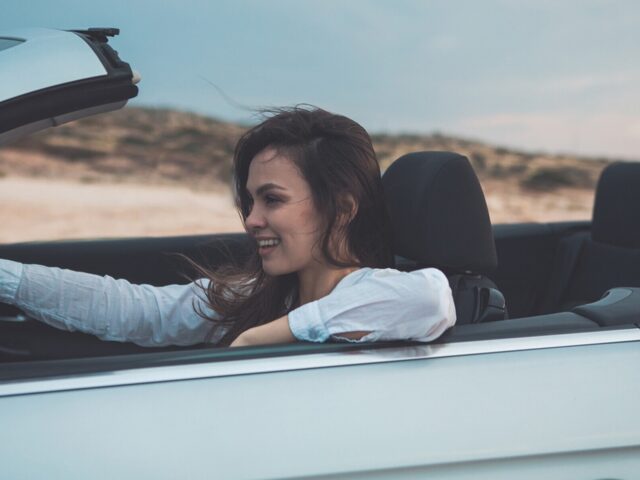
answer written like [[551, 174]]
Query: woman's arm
[[103, 306], [277, 331], [381, 305], [387, 305]]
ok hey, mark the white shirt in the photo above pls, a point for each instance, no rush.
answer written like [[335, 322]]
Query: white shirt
[[392, 305]]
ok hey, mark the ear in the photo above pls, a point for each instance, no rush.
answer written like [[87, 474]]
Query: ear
[[348, 208]]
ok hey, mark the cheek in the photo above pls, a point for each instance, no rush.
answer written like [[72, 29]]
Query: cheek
[[301, 222], [310, 225]]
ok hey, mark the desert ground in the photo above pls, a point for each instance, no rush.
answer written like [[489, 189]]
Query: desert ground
[[39, 209], [33, 209]]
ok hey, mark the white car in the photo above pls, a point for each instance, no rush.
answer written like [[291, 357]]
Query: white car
[[551, 392]]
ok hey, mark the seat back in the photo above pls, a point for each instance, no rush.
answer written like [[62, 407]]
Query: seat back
[[589, 264], [440, 219]]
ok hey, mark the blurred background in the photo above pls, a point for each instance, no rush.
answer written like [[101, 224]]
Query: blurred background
[[540, 95]]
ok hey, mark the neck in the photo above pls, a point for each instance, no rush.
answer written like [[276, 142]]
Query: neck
[[320, 282]]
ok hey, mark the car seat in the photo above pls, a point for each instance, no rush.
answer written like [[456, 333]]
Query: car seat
[[587, 264], [440, 219]]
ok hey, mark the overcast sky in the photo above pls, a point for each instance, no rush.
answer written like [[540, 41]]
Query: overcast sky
[[538, 75]]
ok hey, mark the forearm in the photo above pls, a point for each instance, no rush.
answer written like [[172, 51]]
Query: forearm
[[108, 308], [277, 331]]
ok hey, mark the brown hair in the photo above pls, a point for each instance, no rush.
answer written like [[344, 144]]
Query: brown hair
[[336, 157]]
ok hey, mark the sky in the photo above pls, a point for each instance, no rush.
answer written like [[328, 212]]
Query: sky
[[538, 75]]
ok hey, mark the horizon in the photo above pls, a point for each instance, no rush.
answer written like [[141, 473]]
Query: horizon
[[462, 138]]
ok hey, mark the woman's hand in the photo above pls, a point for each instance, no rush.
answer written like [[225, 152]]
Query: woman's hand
[[277, 331]]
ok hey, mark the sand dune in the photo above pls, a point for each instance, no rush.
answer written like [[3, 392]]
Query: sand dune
[[510, 203], [42, 209]]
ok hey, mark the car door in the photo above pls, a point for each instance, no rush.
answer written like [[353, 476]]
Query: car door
[[546, 406]]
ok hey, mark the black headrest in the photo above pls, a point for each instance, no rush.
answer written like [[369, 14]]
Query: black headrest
[[616, 211], [438, 212]]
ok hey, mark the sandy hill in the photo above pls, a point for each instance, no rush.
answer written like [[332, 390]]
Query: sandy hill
[[160, 146]]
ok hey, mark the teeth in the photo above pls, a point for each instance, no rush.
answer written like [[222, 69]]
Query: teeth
[[268, 243]]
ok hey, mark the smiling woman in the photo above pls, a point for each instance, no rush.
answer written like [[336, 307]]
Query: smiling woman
[[309, 191]]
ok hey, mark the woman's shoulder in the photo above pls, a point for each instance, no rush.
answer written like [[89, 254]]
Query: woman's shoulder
[[365, 273], [390, 277], [388, 292]]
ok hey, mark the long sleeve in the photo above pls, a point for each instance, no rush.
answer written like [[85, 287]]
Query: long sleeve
[[108, 308], [392, 305]]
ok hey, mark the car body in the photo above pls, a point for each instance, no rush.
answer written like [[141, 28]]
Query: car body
[[534, 396]]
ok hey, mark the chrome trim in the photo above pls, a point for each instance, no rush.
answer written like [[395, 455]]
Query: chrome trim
[[311, 361]]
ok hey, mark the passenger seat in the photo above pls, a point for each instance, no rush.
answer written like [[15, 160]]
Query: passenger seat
[[440, 219], [587, 264]]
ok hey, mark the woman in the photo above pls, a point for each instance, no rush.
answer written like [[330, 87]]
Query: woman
[[308, 188]]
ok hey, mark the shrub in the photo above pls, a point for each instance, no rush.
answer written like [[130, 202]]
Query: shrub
[[478, 160], [550, 178], [135, 140]]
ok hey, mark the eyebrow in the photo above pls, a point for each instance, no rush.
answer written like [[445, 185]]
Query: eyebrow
[[268, 186]]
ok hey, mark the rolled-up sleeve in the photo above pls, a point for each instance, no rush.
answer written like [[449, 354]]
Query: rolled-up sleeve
[[389, 304]]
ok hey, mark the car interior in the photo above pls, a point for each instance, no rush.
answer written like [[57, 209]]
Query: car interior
[[509, 280], [440, 219], [588, 263]]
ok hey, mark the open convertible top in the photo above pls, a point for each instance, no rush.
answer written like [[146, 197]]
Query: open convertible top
[[50, 77]]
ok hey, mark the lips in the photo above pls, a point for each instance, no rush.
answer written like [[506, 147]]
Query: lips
[[268, 242], [267, 245]]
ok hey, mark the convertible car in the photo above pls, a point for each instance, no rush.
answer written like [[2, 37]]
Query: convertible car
[[538, 379]]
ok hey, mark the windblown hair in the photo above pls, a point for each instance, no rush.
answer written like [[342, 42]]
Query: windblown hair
[[335, 156]]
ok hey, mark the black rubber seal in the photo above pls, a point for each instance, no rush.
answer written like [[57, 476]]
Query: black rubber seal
[[64, 99], [70, 97]]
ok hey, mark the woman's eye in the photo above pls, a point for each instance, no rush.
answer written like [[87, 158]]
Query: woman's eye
[[270, 200]]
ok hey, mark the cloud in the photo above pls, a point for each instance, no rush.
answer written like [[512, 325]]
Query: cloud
[[610, 134], [579, 83]]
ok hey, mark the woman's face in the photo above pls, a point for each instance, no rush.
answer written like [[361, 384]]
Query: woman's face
[[283, 218]]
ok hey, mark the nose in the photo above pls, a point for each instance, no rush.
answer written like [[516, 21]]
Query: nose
[[255, 220]]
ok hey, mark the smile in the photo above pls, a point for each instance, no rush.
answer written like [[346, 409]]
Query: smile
[[268, 243]]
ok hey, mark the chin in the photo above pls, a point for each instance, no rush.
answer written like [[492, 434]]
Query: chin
[[276, 270]]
